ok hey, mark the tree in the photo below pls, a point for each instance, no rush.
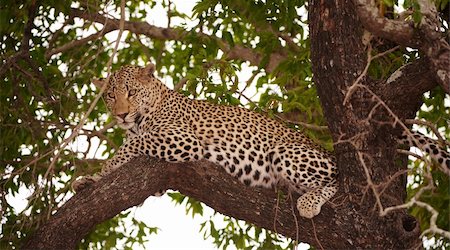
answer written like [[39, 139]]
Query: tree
[[372, 67]]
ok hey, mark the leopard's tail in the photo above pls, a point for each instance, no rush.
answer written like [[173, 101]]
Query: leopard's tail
[[432, 147]]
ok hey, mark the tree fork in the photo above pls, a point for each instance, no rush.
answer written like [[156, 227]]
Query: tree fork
[[365, 149]]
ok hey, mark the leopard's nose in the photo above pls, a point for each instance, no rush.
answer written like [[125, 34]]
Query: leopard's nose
[[123, 115]]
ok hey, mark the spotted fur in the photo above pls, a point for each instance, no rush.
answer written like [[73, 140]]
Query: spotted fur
[[255, 149], [251, 147], [429, 146]]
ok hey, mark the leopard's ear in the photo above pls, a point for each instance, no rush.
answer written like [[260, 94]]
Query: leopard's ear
[[98, 82], [149, 69]]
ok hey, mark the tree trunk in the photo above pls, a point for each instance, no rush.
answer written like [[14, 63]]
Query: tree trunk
[[362, 129]]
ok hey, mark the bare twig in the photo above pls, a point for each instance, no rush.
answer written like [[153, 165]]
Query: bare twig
[[369, 180], [77, 129], [315, 234], [387, 183], [106, 29], [294, 214], [407, 152], [414, 201], [431, 126], [145, 49], [303, 124], [169, 13], [248, 83], [370, 58], [180, 84]]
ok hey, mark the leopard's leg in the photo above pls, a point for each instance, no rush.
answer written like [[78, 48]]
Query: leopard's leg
[[308, 170], [173, 145], [125, 153]]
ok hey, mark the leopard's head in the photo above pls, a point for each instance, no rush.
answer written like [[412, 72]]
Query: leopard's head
[[131, 92]]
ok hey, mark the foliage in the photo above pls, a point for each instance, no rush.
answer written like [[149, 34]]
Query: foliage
[[231, 231], [44, 95], [243, 236], [116, 234], [437, 112]]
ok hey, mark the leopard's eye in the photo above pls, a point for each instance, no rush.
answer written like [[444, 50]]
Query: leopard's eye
[[131, 92]]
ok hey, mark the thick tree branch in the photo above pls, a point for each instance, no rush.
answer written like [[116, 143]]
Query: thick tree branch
[[364, 147], [399, 31], [403, 90], [131, 184], [427, 37], [77, 43], [236, 52]]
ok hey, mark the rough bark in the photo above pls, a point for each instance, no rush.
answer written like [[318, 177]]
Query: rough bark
[[132, 183], [364, 146], [404, 89], [427, 37]]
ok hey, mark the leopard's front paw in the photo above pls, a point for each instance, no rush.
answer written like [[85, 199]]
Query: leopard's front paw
[[308, 205], [84, 182]]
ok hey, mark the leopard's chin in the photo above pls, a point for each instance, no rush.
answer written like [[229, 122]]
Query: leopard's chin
[[129, 121]]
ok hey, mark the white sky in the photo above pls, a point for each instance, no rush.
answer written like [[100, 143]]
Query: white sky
[[177, 229]]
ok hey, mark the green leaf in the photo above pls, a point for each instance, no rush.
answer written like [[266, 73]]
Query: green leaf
[[228, 38]]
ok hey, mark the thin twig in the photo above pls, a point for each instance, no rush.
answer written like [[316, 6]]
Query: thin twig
[[407, 152], [74, 44], [414, 201], [180, 84], [277, 206], [294, 214], [433, 128], [315, 234], [248, 82], [76, 130], [303, 124], [283, 120], [370, 58]]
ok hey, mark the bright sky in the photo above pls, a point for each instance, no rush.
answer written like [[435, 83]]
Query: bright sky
[[177, 229]]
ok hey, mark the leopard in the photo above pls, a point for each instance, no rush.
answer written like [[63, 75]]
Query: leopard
[[255, 149]]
